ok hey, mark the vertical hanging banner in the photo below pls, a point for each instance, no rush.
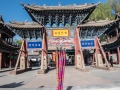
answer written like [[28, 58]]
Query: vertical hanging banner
[[57, 68], [60, 69]]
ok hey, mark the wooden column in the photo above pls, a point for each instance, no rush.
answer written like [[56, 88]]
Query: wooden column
[[13, 59], [18, 59], [104, 56], [75, 48], [93, 58], [10, 63], [98, 58], [44, 65], [118, 55], [118, 50], [26, 54], [0, 59], [79, 53], [42, 68]]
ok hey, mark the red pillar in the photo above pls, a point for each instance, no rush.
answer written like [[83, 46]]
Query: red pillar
[[93, 58], [19, 55], [108, 55], [118, 50], [97, 47], [26, 53], [10, 63], [78, 46], [75, 47], [102, 51], [118, 53], [0, 60]]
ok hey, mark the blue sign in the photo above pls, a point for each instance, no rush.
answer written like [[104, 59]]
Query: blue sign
[[34, 44], [87, 43]]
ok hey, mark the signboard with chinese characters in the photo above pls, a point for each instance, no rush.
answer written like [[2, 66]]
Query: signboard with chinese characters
[[87, 43], [60, 33], [64, 41], [34, 45]]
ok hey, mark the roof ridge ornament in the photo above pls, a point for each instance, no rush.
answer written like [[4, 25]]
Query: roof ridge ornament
[[33, 4], [13, 21], [44, 5], [0, 17], [26, 21], [74, 4], [22, 4], [59, 4], [99, 2], [86, 4]]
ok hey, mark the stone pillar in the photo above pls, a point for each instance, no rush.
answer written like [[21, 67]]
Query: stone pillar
[[0, 60]]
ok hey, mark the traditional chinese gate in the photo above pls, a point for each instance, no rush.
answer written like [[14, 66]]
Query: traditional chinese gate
[[93, 30], [29, 30]]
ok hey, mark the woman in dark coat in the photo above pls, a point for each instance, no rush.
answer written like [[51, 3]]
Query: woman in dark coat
[[111, 61]]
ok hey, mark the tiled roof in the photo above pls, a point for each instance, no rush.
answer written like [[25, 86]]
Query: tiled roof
[[25, 25], [98, 23], [59, 7], [1, 20]]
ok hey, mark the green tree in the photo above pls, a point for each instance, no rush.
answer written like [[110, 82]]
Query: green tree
[[102, 12], [18, 42], [115, 5]]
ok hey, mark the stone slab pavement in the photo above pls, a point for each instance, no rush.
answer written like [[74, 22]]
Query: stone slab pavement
[[95, 79], [6, 69]]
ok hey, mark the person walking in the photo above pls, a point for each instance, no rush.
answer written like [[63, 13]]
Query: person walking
[[111, 61], [70, 60], [30, 63]]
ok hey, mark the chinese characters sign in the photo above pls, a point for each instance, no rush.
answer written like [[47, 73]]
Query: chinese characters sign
[[34, 44], [87, 43], [60, 33], [64, 41]]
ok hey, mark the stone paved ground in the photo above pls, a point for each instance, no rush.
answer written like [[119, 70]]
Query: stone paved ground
[[95, 79]]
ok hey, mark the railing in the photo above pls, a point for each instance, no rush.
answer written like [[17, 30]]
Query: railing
[[7, 43], [111, 40]]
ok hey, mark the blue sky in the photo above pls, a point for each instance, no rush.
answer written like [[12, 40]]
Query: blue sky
[[12, 10]]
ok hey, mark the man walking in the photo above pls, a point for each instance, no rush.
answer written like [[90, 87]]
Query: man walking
[[111, 61]]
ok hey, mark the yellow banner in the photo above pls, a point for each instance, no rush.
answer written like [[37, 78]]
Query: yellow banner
[[60, 33]]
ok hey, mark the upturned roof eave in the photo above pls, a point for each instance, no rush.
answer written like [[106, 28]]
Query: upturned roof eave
[[95, 24], [42, 8], [25, 26]]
